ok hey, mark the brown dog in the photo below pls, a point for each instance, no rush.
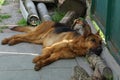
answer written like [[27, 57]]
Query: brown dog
[[59, 41]]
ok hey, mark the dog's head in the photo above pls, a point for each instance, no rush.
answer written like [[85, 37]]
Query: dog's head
[[93, 42]]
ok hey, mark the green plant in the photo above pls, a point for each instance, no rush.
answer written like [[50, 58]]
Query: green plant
[[2, 2], [22, 22], [19, 11], [2, 28], [4, 16], [57, 16], [5, 2], [0, 20]]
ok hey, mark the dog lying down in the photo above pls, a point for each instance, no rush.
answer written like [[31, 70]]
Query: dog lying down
[[59, 41]]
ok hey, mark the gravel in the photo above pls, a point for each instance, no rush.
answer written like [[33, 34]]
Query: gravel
[[11, 8]]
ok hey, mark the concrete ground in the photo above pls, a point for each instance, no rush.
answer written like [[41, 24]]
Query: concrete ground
[[11, 7]]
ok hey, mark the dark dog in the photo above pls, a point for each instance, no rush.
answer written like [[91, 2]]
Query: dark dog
[[58, 40]]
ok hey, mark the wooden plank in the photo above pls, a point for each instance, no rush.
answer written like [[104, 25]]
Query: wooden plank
[[101, 70], [78, 6]]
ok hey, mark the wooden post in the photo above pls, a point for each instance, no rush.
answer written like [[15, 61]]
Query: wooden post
[[43, 12], [80, 74], [98, 64], [68, 18], [79, 6]]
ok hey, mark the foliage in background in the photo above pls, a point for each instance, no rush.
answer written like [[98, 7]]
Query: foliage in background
[[2, 28], [57, 16], [22, 22], [1, 2], [97, 28], [4, 16], [19, 11], [5, 2]]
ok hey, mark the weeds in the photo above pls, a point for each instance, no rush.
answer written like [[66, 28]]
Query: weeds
[[22, 22], [5, 2], [2, 28], [4, 16], [2, 2], [19, 11], [57, 16]]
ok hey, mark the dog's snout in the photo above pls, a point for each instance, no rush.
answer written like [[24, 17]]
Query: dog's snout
[[98, 50]]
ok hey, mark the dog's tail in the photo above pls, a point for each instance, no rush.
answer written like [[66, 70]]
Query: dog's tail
[[22, 29]]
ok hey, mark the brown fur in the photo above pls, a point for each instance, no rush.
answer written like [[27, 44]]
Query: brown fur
[[55, 46]]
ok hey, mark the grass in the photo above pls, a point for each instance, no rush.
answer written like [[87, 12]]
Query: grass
[[22, 22], [2, 28], [2, 2], [57, 16], [5, 2], [19, 11], [4, 16]]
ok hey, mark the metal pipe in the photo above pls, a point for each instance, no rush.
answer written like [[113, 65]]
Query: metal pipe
[[46, 1], [29, 12], [23, 10], [42, 9]]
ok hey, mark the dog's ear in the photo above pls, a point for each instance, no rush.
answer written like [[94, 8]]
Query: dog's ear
[[76, 21], [87, 30], [98, 32]]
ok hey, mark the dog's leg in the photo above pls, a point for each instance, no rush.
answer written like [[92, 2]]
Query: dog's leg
[[23, 29], [53, 57], [11, 40], [50, 54], [29, 37], [46, 52]]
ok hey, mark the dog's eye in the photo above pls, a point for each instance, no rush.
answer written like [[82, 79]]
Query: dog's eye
[[93, 40]]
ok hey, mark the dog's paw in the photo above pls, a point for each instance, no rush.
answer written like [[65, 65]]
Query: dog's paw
[[11, 42], [5, 41], [38, 66]]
